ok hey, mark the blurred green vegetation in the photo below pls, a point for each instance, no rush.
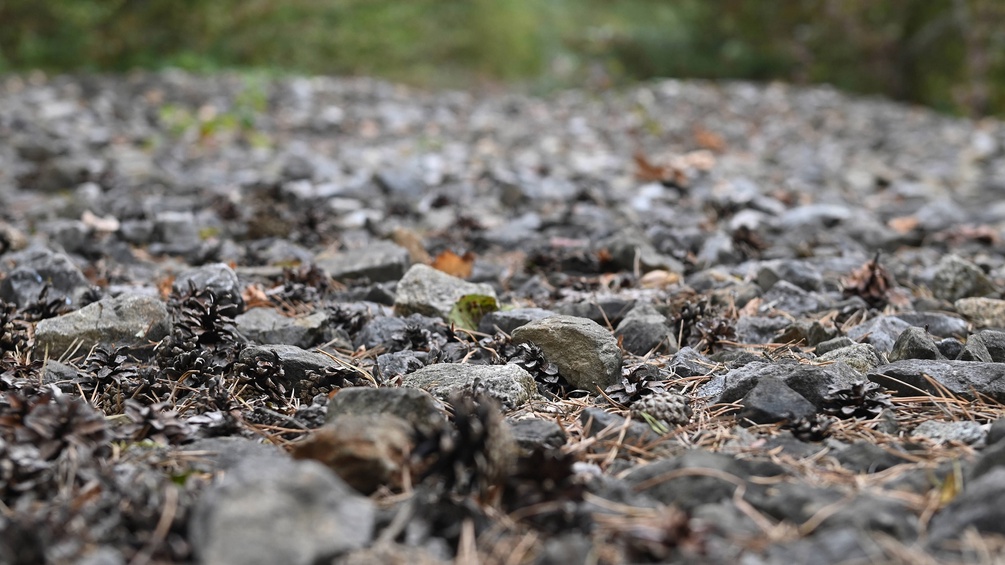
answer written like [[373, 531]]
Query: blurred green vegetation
[[949, 54]]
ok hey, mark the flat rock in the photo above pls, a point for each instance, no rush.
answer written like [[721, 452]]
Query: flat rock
[[296, 362], [417, 407], [810, 381], [279, 511], [596, 420], [982, 312], [585, 353], [129, 320], [268, 326], [962, 378], [510, 385], [379, 262], [772, 401], [427, 291]]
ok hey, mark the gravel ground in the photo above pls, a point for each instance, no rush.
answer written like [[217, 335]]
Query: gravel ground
[[318, 320]]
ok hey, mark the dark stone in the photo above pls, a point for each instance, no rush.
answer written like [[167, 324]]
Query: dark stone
[[381, 261], [535, 434], [268, 326], [384, 330], [836, 343], [974, 350], [794, 502], [219, 279], [993, 341], [996, 433], [991, 458], [34, 269], [772, 401], [961, 378], [914, 343], [880, 332], [689, 363], [644, 329], [950, 347], [800, 273], [596, 420], [399, 363], [810, 381], [978, 507], [690, 489], [937, 324], [760, 329], [508, 320], [603, 310]]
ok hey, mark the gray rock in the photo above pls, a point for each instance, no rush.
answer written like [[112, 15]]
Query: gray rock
[[859, 356], [872, 513], [509, 320], [975, 350], [914, 343], [800, 273], [937, 324], [772, 401], [812, 382], [103, 555], [176, 231], [760, 329], [268, 326], [279, 511], [210, 455], [399, 364], [403, 183], [585, 353], [957, 278], [688, 490], [296, 362], [982, 312], [417, 407], [978, 507], [128, 320], [961, 378], [950, 348], [536, 435], [834, 547], [996, 433], [966, 431], [601, 309], [217, 278], [815, 216], [834, 344], [597, 421], [424, 290], [881, 332], [34, 269], [790, 298], [794, 502], [644, 329], [991, 341], [510, 385], [379, 262], [689, 363]]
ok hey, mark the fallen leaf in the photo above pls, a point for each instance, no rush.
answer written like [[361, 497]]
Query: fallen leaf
[[470, 309], [454, 264], [708, 139], [254, 296], [903, 224], [659, 279]]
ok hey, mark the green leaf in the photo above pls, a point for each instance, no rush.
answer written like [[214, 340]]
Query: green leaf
[[469, 309]]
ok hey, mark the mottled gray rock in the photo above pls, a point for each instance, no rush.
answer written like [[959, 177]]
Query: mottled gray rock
[[760, 329], [974, 350], [881, 332], [812, 382], [296, 362], [417, 407], [509, 320], [991, 341], [982, 312], [424, 290], [859, 356], [966, 431], [957, 278], [644, 329], [379, 262], [771, 400], [834, 344], [399, 363], [510, 385], [268, 326], [689, 363], [128, 320], [585, 353], [961, 378], [217, 278], [30, 271], [279, 511], [914, 343]]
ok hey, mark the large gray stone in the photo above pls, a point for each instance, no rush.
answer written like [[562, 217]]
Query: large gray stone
[[273, 510], [267, 325], [812, 382], [427, 291], [771, 400], [962, 378], [957, 278], [30, 271], [128, 320], [509, 320], [380, 261], [417, 407], [585, 353], [510, 385], [296, 362], [881, 332], [645, 329], [982, 312]]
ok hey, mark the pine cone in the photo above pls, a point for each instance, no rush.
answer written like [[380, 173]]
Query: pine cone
[[668, 407]]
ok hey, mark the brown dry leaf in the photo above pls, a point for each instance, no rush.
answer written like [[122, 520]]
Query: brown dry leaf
[[659, 279], [871, 281], [903, 224], [958, 235], [254, 296], [646, 170], [708, 139], [164, 286], [454, 264], [412, 242], [751, 308]]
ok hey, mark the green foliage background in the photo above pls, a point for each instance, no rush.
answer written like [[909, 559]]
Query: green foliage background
[[949, 54]]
